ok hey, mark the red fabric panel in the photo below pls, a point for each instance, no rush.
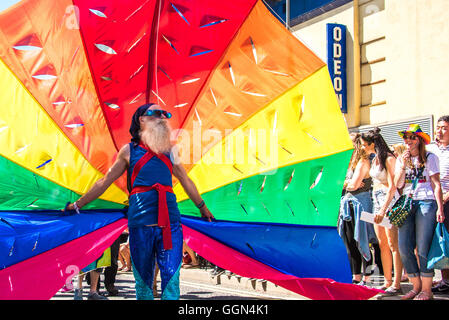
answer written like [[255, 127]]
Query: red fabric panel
[[121, 72], [191, 28], [41, 44]]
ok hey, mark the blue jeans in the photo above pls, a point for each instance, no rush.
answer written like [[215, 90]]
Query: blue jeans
[[417, 232]]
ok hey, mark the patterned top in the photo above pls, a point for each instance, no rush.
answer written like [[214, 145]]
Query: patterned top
[[423, 189]]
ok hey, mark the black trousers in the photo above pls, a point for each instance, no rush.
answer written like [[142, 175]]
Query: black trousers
[[110, 272], [356, 261]]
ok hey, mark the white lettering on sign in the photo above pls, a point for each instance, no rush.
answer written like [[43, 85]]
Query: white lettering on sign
[[338, 84], [337, 50], [340, 99], [337, 33], [336, 36], [337, 67]]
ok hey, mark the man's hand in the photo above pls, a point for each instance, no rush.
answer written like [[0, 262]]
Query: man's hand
[[205, 213], [440, 215]]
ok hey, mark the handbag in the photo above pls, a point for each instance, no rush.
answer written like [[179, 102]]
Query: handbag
[[438, 257], [402, 207]]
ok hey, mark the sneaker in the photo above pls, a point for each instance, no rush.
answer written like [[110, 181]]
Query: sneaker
[[78, 294], [95, 296], [112, 290], [217, 271], [441, 287]]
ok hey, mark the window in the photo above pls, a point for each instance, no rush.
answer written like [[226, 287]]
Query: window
[[389, 131], [302, 10]]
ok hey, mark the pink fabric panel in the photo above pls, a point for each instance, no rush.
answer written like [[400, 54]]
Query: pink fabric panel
[[40, 277], [229, 259]]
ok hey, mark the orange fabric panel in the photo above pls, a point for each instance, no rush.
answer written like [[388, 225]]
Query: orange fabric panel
[[41, 44], [257, 67]]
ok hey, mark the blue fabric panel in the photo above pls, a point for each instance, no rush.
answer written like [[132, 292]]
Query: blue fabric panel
[[302, 251], [25, 234]]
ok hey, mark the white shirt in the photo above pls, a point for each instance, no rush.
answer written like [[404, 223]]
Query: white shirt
[[423, 189], [443, 157]]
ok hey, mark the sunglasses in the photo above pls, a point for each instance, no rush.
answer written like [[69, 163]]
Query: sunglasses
[[410, 137], [158, 113]]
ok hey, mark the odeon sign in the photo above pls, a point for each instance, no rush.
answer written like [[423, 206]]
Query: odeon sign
[[336, 61]]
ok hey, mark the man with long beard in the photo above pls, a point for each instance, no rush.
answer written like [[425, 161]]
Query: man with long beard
[[154, 221]]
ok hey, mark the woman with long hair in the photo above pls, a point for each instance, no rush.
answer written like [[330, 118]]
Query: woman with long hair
[[418, 172], [357, 234], [384, 195]]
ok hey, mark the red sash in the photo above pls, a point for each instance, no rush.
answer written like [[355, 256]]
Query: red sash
[[163, 220]]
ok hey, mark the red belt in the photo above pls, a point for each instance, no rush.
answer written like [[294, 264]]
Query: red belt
[[163, 219]]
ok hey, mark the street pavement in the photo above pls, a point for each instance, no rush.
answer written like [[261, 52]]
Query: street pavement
[[198, 284]]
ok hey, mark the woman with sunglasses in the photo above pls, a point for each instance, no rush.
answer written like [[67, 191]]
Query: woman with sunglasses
[[422, 167], [384, 195]]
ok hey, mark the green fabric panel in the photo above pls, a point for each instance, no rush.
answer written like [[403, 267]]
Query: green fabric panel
[[298, 204], [21, 189]]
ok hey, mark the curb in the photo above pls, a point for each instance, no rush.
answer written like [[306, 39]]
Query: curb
[[236, 282]]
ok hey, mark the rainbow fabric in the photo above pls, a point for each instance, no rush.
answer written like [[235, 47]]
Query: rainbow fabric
[[72, 73]]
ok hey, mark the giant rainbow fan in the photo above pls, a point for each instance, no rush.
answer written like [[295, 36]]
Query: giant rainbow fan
[[72, 73]]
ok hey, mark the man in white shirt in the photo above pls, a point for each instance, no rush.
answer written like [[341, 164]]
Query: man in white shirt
[[441, 149]]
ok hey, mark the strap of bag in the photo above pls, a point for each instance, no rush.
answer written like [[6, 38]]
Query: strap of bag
[[412, 191]]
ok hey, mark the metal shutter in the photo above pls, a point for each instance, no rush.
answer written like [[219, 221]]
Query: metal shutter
[[389, 131]]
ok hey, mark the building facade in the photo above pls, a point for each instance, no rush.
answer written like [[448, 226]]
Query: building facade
[[397, 70]]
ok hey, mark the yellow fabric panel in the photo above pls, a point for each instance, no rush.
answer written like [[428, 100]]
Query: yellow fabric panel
[[302, 124], [29, 137]]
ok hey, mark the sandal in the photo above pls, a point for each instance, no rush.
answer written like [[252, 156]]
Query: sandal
[[387, 285], [391, 291], [423, 295], [409, 295]]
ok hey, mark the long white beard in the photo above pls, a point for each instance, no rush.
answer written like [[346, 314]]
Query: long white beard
[[156, 136]]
